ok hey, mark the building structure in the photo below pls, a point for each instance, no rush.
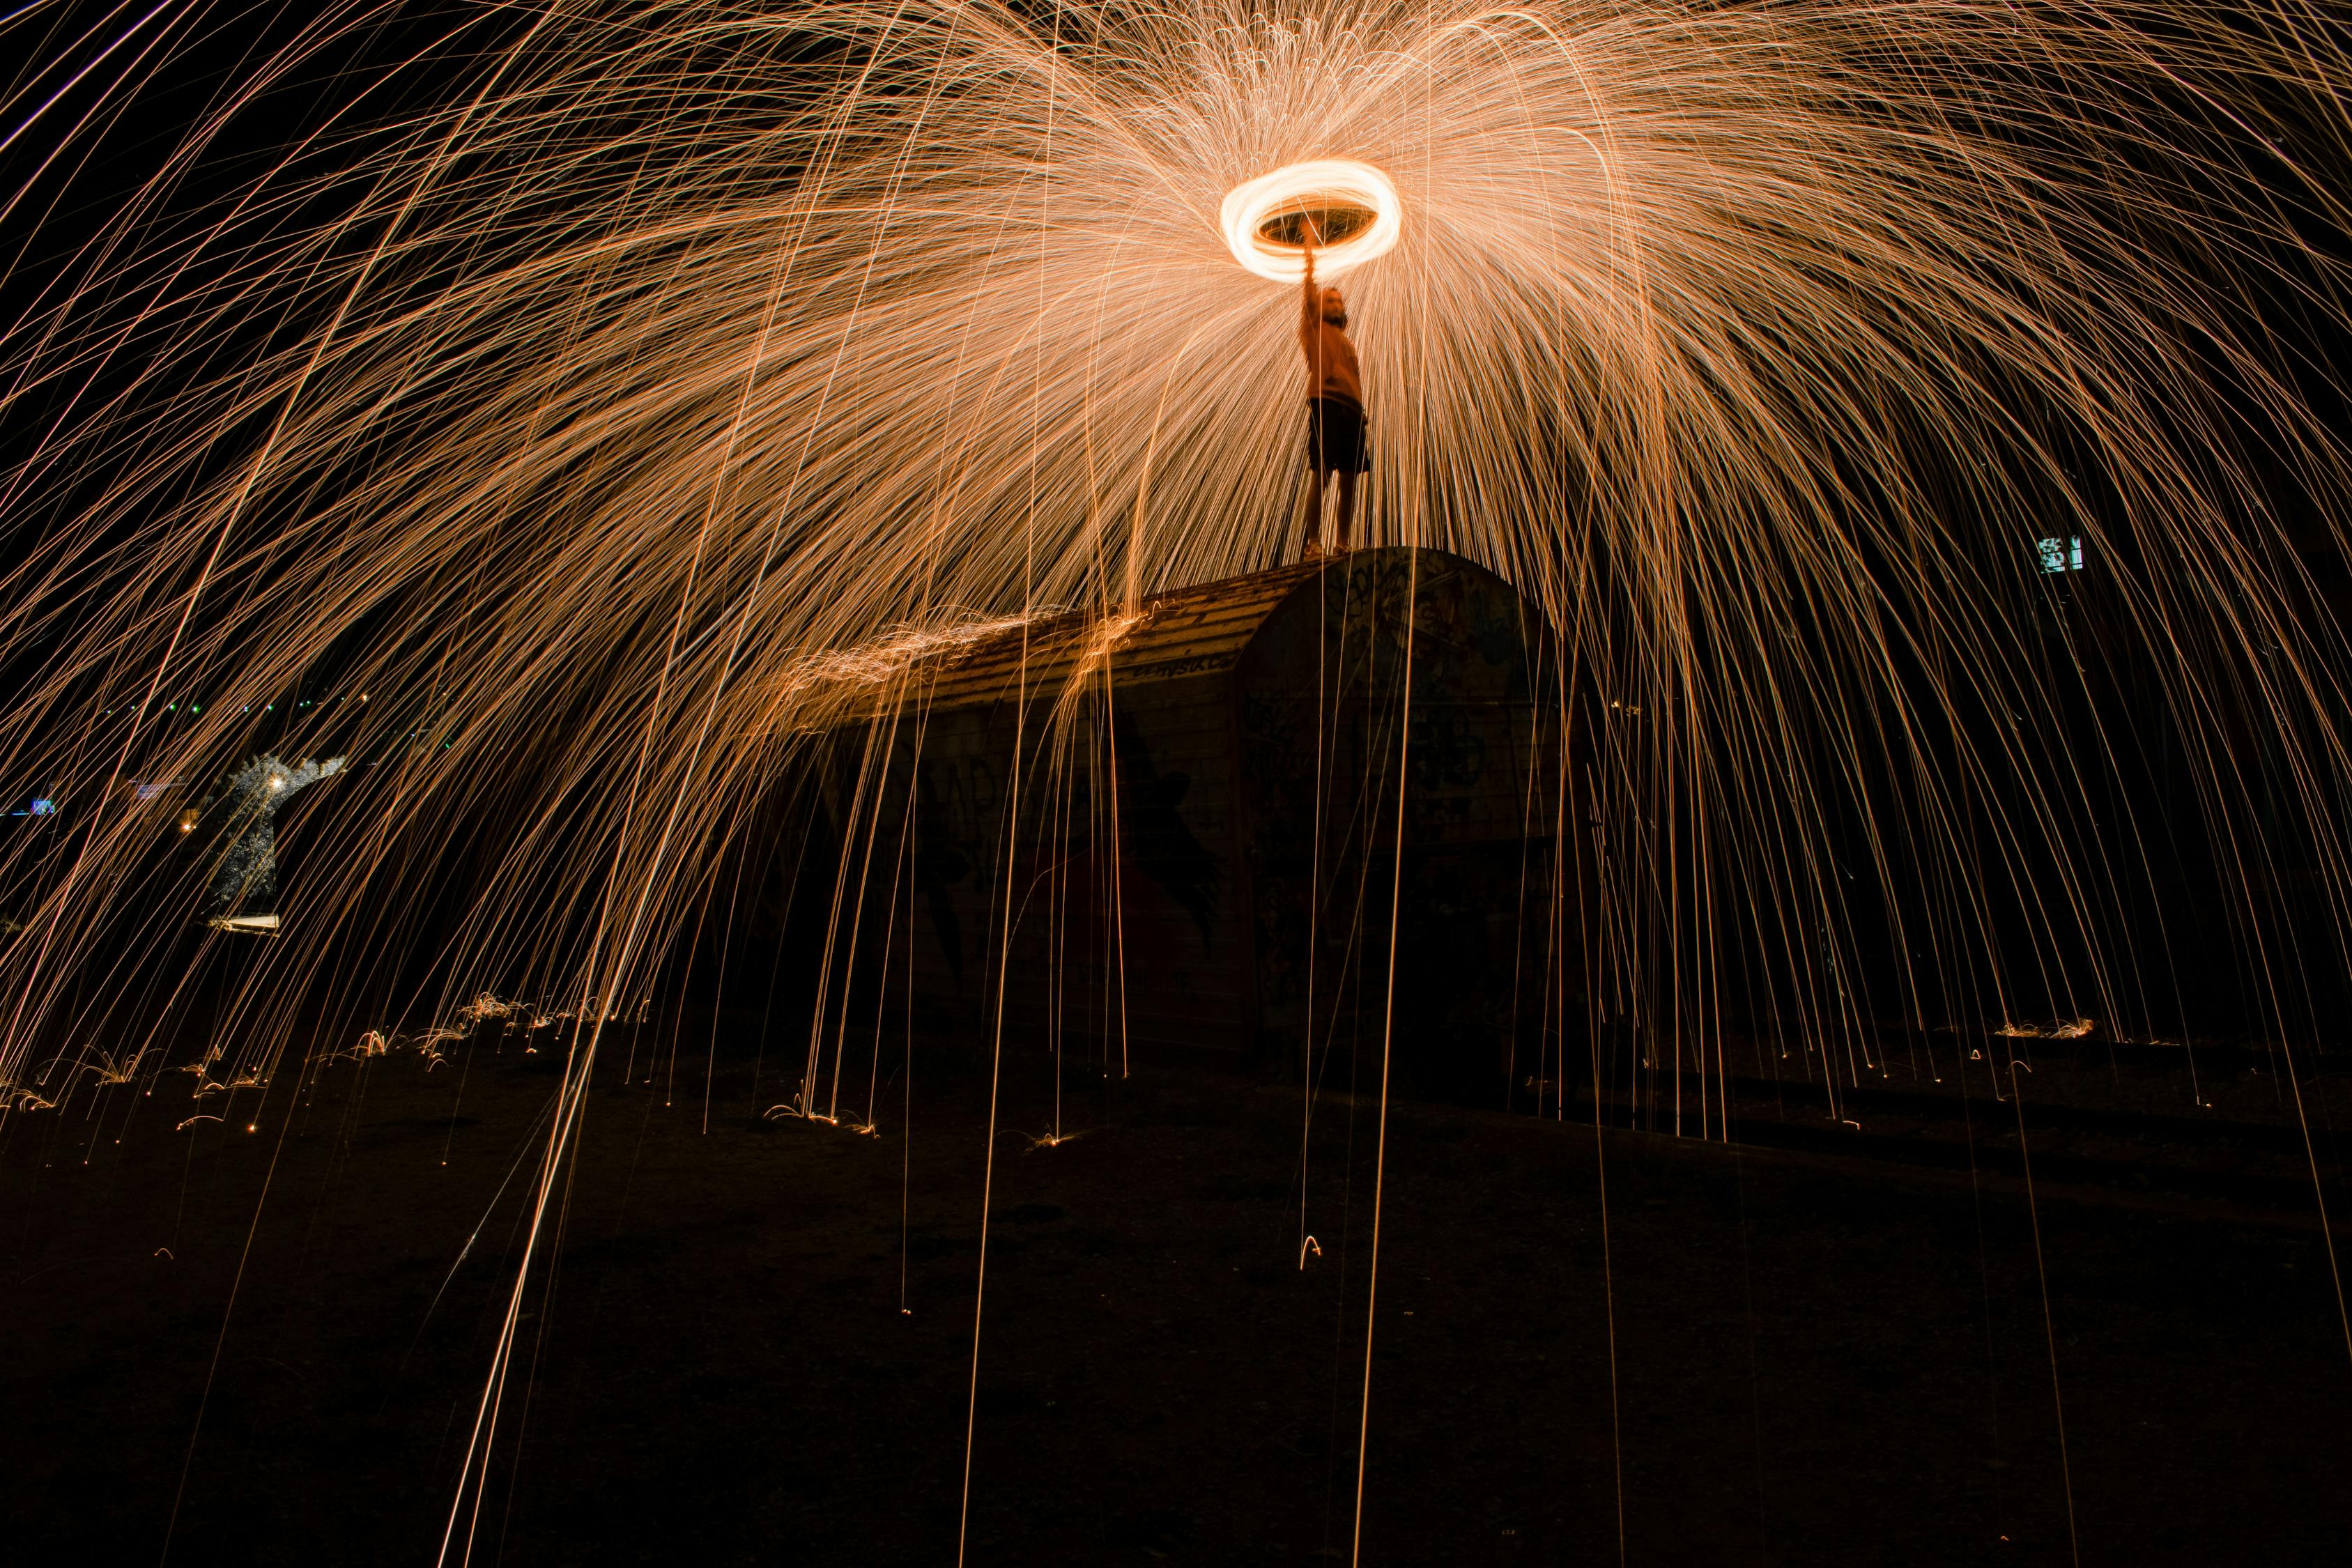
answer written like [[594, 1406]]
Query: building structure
[[1204, 828]]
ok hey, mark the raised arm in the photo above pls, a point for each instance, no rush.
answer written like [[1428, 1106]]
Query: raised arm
[[1310, 297]]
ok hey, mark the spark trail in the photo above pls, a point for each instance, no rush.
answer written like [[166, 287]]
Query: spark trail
[[1775, 327], [628, 394]]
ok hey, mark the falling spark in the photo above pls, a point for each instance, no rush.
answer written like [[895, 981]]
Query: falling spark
[[630, 394], [639, 435]]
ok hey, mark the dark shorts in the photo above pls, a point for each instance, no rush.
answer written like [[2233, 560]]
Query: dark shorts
[[1334, 436]]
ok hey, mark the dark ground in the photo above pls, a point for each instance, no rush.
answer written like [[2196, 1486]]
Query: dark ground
[[1816, 1359]]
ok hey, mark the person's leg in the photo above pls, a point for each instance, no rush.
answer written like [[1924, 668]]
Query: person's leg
[[1347, 506], [1314, 546]]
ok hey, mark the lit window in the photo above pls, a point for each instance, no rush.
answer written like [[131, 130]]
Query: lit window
[[2061, 554]]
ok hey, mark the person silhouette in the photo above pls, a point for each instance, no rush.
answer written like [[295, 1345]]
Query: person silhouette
[[1336, 442]]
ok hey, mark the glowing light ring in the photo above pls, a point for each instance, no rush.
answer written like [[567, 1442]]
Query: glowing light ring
[[1324, 181]]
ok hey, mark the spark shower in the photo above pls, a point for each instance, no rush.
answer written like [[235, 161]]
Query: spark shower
[[610, 379], [603, 403], [626, 395]]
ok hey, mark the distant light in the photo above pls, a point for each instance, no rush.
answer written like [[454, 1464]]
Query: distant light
[[43, 807], [2061, 554], [196, 707]]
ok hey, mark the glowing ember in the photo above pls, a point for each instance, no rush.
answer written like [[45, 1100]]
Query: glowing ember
[[1351, 207]]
